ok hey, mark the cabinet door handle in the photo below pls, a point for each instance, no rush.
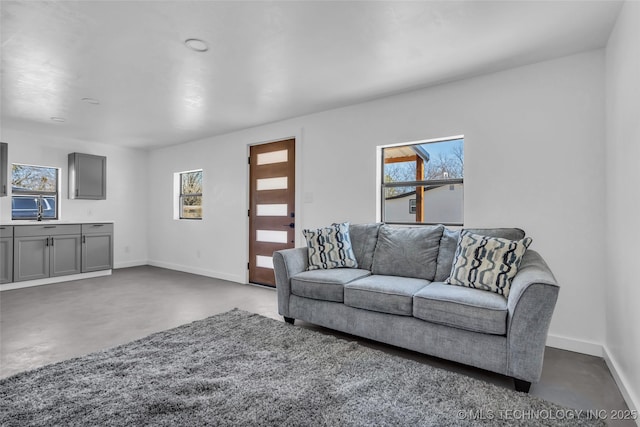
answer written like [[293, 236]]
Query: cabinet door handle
[[49, 226], [98, 225], [52, 241], [46, 242], [84, 239]]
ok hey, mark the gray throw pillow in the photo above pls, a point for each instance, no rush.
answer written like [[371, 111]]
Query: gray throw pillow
[[407, 251]]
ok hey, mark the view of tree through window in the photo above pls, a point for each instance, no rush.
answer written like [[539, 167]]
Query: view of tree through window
[[191, 195], [34, 192], [423, 182]]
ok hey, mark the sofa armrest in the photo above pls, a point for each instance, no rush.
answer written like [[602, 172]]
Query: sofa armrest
[[287, 263], [532, 298]]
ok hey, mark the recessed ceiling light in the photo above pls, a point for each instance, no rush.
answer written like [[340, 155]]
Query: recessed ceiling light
[[57, 119], [197, 45], [91, 101]]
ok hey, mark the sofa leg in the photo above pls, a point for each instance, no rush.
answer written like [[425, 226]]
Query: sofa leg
[[289, 320], [522, 385]]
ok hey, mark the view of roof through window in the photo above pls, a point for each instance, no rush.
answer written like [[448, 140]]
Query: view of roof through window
[[35, 192], [423, 182]]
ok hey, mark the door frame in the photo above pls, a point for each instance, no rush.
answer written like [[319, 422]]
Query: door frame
[[299, 241]]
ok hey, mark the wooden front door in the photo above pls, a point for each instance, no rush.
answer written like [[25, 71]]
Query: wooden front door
[[271, 206]]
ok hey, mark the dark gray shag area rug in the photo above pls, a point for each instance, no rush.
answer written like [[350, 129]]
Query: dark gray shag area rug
[[239, 368]]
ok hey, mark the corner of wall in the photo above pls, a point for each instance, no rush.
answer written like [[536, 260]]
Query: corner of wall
[[622, 201], [621, 381]]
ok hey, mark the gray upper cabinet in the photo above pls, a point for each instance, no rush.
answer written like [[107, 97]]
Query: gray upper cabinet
[[87, 176], [4, 168]]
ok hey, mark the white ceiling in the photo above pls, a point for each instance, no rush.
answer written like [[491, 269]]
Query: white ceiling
[[266, 60]]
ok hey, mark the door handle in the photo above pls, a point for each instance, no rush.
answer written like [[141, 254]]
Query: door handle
[[291, 225], [52, 241], [46, 242]]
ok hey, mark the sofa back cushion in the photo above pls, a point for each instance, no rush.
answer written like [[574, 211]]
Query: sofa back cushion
[[363, 242], [449, 244], [407, 251]]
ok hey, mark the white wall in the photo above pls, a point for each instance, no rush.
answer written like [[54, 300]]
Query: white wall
[[623, 200], [126, 202], [534, 153]]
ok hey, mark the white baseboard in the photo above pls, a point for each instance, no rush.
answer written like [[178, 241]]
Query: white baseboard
[[128, 264], [633, 402], [170, 266], [198, 271], [572, 344], [599, 350], [50, 280]]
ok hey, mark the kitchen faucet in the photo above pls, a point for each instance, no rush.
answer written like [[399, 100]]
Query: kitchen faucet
[[39, 203]]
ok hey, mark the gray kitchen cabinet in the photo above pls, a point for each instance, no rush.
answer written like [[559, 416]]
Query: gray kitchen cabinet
[[65, 255], [31, 258], [6, 254], [4, 168], [42, 251], [87, 176], [97, 247]]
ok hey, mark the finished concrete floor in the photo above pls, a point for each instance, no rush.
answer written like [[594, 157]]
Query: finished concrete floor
[[46, 324]]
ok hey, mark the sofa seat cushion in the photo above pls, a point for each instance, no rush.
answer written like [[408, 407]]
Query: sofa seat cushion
[[386, 294], [464, 308], [325, 285]]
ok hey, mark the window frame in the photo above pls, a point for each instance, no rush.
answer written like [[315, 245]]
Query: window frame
[[182, 196], [38, 194], [426, 183]]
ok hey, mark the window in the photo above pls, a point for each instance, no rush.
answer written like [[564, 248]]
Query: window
[[423, 182], [190, 198], [34, 192]]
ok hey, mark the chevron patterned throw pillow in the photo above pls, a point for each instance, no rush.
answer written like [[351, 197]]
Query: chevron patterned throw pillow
[[487, 263], [330, 247]]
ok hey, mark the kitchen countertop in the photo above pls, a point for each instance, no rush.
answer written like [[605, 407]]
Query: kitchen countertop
[[51, 221]]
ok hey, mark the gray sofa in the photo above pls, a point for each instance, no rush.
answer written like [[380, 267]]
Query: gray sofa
[[397, 296]]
